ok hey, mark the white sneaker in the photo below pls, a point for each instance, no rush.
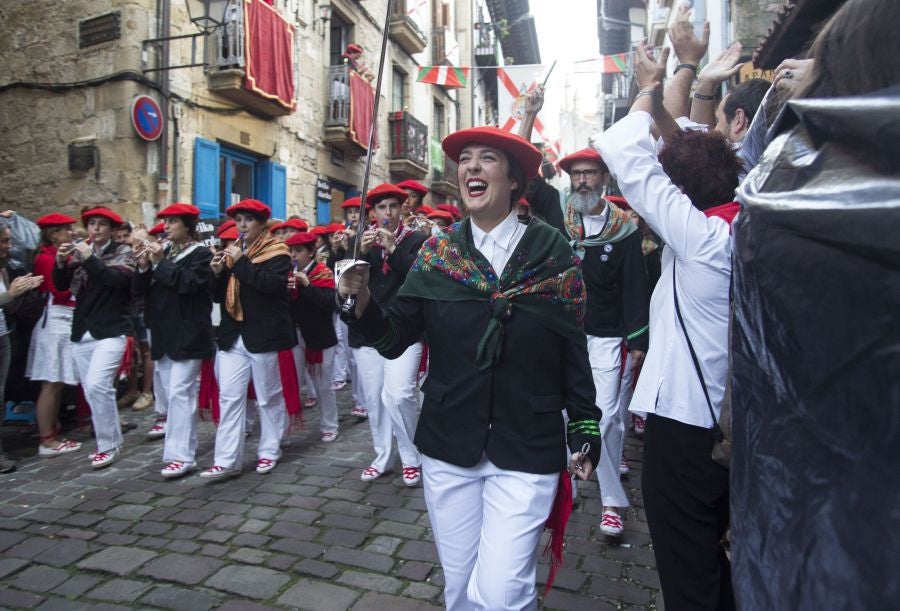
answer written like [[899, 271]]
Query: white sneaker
[[158, 430], [177, 468], [64, 447], [103, 459], [611, 524], [329, 437], [216, 472], [264, 465]]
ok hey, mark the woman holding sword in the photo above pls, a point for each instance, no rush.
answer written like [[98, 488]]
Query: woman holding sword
[[501, 303]]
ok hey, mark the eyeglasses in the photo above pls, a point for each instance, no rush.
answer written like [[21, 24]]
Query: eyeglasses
[[579, 174]]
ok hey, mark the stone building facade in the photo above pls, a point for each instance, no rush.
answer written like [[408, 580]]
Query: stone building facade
[[74, 69]]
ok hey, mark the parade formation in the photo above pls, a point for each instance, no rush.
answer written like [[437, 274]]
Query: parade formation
[[507, 345]]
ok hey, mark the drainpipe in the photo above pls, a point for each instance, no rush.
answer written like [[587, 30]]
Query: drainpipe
[[164, 28]]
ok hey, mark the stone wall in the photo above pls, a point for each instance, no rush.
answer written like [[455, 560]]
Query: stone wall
[[40, 44], [752, 19]]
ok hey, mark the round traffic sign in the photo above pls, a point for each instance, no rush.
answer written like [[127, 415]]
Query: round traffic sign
[[147, 118]]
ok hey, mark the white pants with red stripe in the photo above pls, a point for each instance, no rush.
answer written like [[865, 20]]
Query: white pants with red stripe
[[321, 376], [389, 389], [605, 354], [96, 365], [487, 524], [234, 370], [176, 385]]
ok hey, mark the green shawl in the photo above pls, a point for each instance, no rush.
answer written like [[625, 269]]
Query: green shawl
[[618, 226], [542, 278]]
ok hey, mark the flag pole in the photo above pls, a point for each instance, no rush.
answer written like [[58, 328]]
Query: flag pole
[[350, 302]]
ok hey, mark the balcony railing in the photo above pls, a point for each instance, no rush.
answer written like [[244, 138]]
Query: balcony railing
[[228, 75], [230, 38], [338, 111], [409, 146], [443, 178]]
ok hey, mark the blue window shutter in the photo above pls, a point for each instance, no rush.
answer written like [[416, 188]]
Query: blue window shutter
[[206, 177], [271, 187]]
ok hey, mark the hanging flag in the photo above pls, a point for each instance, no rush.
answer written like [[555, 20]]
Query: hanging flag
[[445, 76], [613, 64], [513, 83]]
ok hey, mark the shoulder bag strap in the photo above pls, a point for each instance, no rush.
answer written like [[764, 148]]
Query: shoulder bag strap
[[717, 431]]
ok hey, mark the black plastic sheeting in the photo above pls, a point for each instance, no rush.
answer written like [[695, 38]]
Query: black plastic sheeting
[[815, 486]]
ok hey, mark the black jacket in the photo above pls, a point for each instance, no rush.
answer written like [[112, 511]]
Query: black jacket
[[267, 325], [178, 306], [312, 310], [103, 302], [384, 287], [618, 293], [543, 198], [511, 412]]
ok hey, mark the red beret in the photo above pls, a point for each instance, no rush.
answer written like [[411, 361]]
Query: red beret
[[180, 210], [335, 227], [414, 185], [383, 191], [619, 201], [254, 206], [276, 227], [441, 214], [53, 219], [102, 212], [158, 228], [229, 234], [425, 209], [523, 152], [319, 230], [523, 202], [225, 227], [301, 238], [354, 48], [298, 224], [587, 154], [449, 208], [353, 202]]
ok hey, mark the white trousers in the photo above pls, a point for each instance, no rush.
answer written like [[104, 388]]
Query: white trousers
[[321, 375], [358, 397], [605, 354], [389, 390], [96, 365], [234, 370], [342, 352], [487, 524], [176, 386]]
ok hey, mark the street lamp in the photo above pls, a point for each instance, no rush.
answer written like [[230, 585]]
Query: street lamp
[[207, 15], [324, 14]]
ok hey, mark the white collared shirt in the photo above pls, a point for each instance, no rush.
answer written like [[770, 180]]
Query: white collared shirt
[[594, 223], [700, 248], [498, 244]]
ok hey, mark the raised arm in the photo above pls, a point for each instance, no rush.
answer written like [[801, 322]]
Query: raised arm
[[690, 51], [716, 72]]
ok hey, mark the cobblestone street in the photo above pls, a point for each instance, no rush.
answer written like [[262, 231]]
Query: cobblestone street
[[309, 535]]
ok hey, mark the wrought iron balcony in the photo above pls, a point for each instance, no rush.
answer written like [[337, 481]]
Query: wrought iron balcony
[[404, 30], [409, 146], [338, 131], [443, 178], [228, 74]]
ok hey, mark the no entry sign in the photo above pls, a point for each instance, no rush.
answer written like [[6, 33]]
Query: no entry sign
[[146, 116]]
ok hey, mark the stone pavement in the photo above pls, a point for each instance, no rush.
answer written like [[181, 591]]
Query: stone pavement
[[309, 535]]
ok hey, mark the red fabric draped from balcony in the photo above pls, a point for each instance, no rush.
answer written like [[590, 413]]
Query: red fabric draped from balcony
[[269, 51], [362, 101]]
